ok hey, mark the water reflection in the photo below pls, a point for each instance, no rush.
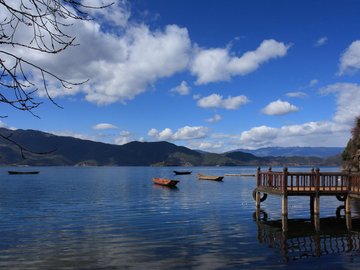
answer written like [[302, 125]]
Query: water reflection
[[304, 238]]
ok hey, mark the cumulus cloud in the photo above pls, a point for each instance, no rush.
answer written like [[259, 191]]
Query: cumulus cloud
[[350, 59], [120, 64], [123, 137], [212, 65], [321, 41], [279, 107], [214, 119], [118, 14], [334, 132], [184, 133], [217, 101], [347, 101], [210, 146], [125, 60], [295, 135], [103, 126], [2, 124], [182, 89]]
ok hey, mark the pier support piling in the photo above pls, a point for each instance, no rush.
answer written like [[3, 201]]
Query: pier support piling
[[317, 205], [284, 204], [257, 199]]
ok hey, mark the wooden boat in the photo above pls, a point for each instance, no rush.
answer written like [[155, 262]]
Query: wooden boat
[[165, 182], [23, 172], [210, 177], [181, 172]]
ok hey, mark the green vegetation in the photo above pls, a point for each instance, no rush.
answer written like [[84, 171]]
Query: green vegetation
[[351, 154]]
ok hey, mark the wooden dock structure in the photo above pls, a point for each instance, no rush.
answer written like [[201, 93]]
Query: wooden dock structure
[[314, 184]]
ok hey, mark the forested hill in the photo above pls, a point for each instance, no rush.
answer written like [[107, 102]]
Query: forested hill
[[69, 151], [322, 152]]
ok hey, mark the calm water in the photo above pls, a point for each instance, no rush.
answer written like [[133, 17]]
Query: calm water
[[116, 218]]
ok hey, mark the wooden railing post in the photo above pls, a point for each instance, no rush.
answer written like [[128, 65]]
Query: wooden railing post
[[349, 181], [348, 197], [258, 179], [284, 180], [284, 203], [317, 180], [317, 197], [258, 183], [270, 177]]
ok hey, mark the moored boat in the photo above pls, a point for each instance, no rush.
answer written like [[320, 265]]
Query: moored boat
[[23, 172], [165, 182], [182, 172], [210, 177]]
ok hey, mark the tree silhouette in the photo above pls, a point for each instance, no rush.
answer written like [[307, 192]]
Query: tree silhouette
[[47, 23], [351, 154]]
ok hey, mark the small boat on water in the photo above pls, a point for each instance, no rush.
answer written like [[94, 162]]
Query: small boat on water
[[182, 172], [23, 172], [210, 177], [165, 182]]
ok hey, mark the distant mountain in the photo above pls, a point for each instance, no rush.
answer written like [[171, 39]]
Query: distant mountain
[[69, 151], [322, 152]]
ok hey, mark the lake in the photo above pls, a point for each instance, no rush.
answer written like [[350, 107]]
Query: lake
[[116, 218]]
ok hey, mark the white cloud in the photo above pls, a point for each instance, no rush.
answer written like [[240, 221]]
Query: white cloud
[[279, 107], [182, 89], [184, 133], [123, 138], [350, 59], [207, 146], [347, 103], [334, 132], [217, 101], [118, 13], [298, 94], [120, 65], [307, 134], [103, 126], [321, 41], [3, 125], [313, 82], [216, 118], [212, 65]]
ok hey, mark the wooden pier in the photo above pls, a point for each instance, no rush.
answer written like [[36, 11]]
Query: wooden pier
[[314, 184]]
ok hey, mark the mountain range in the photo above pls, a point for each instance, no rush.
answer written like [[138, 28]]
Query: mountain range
[[70, 151], [322, 152]]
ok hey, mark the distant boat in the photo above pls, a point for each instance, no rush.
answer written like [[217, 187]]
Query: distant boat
[[181, 172], [165, 182], [23, 172], [210, 177]]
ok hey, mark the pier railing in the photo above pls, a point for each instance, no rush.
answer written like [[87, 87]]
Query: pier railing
[[314, 184], [284, 182]]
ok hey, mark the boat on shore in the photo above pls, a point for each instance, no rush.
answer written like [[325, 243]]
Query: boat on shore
[[23, 172], [165, 182], [182, 172], [210, 177]]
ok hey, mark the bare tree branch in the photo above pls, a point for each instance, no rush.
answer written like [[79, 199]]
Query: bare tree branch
[[47, 21]]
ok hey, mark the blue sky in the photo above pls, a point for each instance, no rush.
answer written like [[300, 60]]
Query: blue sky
[[209, 75]]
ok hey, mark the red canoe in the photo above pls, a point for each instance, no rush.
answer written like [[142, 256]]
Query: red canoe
[[165, 182]]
